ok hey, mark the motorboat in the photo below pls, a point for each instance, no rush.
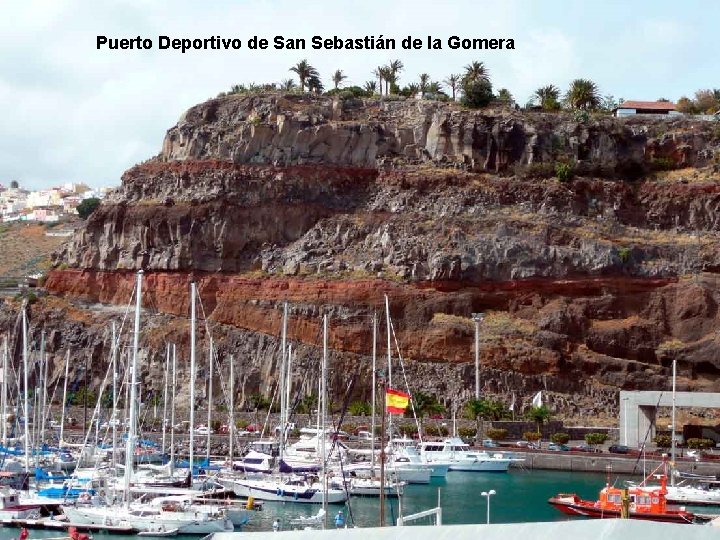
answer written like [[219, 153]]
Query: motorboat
[[635, 502], [458, 456]]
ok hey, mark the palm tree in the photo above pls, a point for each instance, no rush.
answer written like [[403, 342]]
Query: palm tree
[[583, 94], [425, 404], [434, 88], [539, 415], [396, 66], [424, 82], [338, 77], [504, 95], [315, 84], [370, 87], [548, 97], [476, 72], [287, 85], [453, 81], [238, 89], [304, 71], [412, 89], [479, 410], [387, 76], [378, 72]]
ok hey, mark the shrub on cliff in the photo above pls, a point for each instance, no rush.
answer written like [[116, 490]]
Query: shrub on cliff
[[477, 94], [595, 438], [87, 207], [496, 434], [663, 441], [349, 92], [359, 408], [700, 443], [531, 436], [560, 438], [564, 170]]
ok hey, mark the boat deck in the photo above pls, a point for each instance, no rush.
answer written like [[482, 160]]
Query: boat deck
[[57, 525]]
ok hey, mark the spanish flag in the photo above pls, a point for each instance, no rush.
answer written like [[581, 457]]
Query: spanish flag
[[396, 401]]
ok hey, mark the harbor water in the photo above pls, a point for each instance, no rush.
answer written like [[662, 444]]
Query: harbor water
[[520, 496]]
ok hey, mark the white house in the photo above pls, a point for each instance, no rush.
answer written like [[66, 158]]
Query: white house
[[630, 108]]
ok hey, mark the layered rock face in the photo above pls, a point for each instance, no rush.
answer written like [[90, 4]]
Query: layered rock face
[[588, 285]]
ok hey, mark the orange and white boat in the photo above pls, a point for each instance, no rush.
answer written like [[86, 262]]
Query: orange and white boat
[[639, 502]]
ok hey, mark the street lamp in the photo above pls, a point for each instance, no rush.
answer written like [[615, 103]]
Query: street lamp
[[625, 420], [487, 495], [477, 317]]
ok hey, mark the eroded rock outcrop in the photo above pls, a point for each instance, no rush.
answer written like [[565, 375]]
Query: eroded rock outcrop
[[329, 205]]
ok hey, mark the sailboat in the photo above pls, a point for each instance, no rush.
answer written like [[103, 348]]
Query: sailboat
[[309, 488], [145, 518]]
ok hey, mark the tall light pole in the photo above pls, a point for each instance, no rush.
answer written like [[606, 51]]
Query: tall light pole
[[487, 495], [625, 420], [477, 317]]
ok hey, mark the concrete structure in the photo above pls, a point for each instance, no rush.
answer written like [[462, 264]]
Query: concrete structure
[[638, 410]]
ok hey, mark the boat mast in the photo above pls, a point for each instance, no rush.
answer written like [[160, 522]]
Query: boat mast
[[323, 397], [389, 367], [130, 448], [672, 424], [25, 386], [192, 376], [4, 390], [172, 411], [389, 350], [64, 401], [231, 427], [44, 364], [288, 384], [165, 397], [210, 400], [372, 398], [283, 362], [113, 359], [384, 407]]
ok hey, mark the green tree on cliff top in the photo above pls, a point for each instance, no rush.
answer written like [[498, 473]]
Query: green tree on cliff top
[[304, 71], [87, 207], [583, 94], [338, 77]]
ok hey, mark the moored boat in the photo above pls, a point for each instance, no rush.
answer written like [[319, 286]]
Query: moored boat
[[634, 502]]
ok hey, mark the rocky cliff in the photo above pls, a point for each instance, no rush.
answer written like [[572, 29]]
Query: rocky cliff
[[589, 284]]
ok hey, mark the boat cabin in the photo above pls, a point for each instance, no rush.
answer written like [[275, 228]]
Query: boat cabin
[[641, 500], [9, 499]]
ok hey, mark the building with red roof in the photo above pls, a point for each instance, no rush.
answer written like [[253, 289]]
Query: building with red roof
[[633, 107]]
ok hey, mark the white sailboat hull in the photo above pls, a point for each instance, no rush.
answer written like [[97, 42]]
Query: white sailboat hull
[[279, 492], [148, 521]]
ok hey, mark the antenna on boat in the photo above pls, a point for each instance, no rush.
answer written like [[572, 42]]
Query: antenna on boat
[[608, 471]]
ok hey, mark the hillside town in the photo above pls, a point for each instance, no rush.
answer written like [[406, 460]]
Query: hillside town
[[49, 205]]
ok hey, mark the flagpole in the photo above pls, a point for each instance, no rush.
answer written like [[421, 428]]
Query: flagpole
[[381, 382]]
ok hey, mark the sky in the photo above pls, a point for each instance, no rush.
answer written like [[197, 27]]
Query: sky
[[73, 113]]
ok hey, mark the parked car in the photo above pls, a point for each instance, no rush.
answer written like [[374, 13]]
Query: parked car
[[203, 430], [489, 443], [557, 447], [584, 447], [528, 444], [619, 449]]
